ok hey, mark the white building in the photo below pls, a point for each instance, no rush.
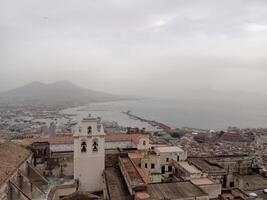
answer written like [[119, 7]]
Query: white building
[[89, 155], [171, 152], [138, 141], [157, 164]]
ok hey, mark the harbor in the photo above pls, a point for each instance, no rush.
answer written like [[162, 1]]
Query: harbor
[[153, 123]]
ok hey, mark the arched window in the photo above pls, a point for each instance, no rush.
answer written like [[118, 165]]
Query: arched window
[[83, 147], [89, 130], [95, 145]]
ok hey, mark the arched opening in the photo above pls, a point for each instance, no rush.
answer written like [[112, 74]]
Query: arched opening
[[89, 130], [83, 147], [95, 145]]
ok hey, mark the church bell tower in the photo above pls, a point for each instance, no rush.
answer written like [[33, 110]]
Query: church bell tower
[[89, 155]]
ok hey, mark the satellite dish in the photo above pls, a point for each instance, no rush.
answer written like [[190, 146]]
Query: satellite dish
[[265, 191]]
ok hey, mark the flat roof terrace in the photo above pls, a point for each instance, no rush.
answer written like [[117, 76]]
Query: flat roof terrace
[[208, 166], [175, 190], [188, 167], [202, 181], [255, 182], [168, 149]]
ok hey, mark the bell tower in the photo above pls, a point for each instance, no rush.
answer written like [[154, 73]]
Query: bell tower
[[89, 155]]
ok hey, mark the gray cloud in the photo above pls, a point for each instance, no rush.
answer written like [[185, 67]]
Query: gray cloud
[[152, 47]]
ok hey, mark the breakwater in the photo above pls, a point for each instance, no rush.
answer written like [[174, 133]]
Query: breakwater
[[153, 123]]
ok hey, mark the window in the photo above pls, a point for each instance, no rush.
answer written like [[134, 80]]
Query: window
[[152, 165], [83, 147], [163, 169], [170, 168], [139, 164], [178, 158], [144, 143], [89, 130], [146, 165], [167, 159], [95, 145], [232, 184]]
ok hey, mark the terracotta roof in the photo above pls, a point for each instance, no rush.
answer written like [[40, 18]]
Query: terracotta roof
[[11, 157], [51, 139], [135, 177], [123, 137], [69, 139]]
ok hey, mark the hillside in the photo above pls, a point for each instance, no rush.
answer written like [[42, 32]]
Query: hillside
[[55, 93]]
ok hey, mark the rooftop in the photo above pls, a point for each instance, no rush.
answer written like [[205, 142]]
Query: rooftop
[[260, 193], [189, 167], [51, 140], [202, 181], [123, 137], [116, 187], [69, 139], [133, 176], [11, 157], [208, 166], [234, 193], [174, 190], [168, 149], [136, 155], [256, 181], [81, 196], [61, 147]]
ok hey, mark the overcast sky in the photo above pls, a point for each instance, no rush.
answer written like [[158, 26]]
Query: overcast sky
[[140, 47]]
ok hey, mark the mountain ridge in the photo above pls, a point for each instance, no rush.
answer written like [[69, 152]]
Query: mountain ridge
[[55, 93]]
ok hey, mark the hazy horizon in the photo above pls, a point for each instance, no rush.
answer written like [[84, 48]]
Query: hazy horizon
[[144, 48], [196, 93]]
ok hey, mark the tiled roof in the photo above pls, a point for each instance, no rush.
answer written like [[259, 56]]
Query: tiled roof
[[11, 157], [52, 140], [123, 137], [134, 176], [69, 139]]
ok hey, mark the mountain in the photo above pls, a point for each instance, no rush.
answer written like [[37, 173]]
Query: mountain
[[61, 92]]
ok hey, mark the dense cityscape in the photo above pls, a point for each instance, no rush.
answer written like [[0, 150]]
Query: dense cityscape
[[189, 162], [133, 100]]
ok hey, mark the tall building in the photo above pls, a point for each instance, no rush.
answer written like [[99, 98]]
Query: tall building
[[89, 155]]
